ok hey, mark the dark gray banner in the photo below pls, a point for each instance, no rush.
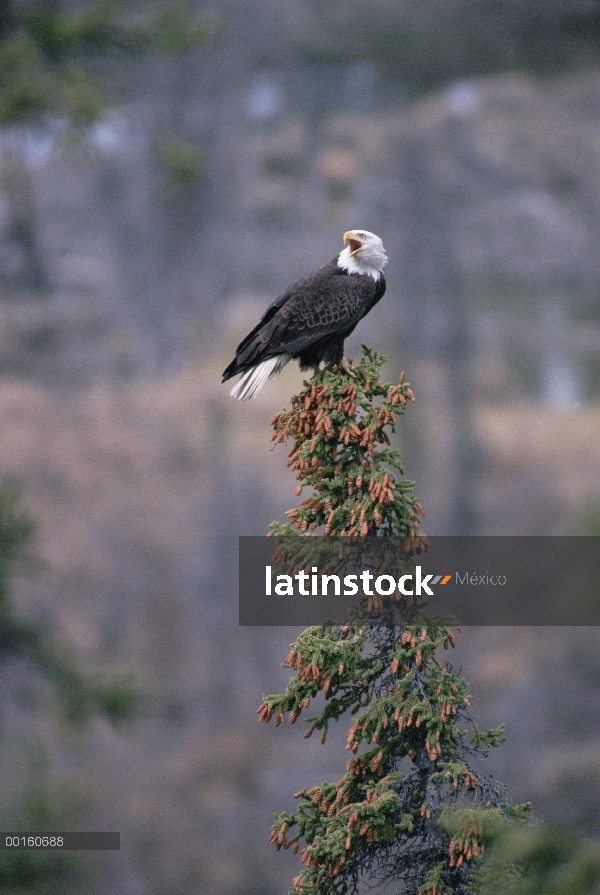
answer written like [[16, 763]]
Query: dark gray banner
[[312, 580], [60, 841]]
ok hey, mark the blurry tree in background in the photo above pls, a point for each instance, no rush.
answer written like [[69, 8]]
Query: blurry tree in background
[[424, 45], [28, 642], [42, 806], [34, 803], [58, 59], [540, 860], [63, 66]]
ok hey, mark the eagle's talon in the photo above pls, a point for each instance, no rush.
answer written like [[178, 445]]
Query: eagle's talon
[[346, 366]]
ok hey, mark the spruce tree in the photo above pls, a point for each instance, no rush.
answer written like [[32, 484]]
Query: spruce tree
[[410, 809]]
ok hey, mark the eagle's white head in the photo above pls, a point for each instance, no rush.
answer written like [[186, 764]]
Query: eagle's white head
[[364, 253]]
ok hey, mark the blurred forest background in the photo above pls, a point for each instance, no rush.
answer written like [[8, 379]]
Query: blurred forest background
[[164, 173]]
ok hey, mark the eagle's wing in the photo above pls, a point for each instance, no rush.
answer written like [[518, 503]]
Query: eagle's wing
[[327, 302]]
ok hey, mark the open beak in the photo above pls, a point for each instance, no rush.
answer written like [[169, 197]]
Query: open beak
[[354, 243]]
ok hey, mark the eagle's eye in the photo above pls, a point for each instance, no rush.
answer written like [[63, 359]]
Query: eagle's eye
[[361, 236]]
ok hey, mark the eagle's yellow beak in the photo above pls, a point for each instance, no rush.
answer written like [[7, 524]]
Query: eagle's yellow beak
[[354, 243]]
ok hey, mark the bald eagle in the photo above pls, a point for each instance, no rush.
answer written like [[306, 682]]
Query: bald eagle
[[311, 319]]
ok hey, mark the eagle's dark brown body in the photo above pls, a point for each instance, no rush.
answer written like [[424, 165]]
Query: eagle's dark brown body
[[310, 320]]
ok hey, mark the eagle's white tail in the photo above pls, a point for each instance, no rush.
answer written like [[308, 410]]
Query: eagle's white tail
[[253, 380]]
